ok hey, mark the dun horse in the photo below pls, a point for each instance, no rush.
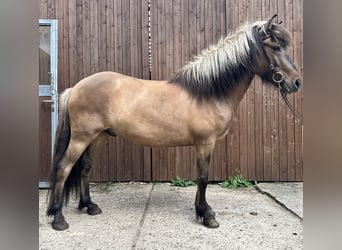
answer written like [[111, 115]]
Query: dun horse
[[194, 107]]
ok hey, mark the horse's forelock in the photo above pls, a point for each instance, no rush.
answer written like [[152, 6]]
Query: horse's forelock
[[282, 35]]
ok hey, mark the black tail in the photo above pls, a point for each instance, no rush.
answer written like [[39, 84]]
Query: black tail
[[61, 144]]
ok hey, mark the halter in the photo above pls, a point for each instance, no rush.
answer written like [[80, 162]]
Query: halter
[[277, 77]]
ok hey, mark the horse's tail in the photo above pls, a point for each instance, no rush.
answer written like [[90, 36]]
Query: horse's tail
[[62, 139]]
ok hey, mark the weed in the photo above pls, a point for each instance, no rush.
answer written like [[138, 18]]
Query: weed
[[181, 182], [235, 182]]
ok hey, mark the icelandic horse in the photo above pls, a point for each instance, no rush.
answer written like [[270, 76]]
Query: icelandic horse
[[193, 107]]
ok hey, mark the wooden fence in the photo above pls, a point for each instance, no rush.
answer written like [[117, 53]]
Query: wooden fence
[[265, 140]]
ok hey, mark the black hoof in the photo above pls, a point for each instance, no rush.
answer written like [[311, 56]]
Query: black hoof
[[60, 225], [94, 210], [207, 215], [211, 223]]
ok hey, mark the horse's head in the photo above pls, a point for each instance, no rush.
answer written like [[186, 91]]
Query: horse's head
[[275, 64]]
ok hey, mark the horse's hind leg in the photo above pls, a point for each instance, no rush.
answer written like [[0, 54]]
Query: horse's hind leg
[[203, 210], [85, 200], [62, 172], [62, 184], [87, 160]]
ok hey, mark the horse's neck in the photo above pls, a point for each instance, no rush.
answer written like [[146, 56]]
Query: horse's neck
[[236, 95]]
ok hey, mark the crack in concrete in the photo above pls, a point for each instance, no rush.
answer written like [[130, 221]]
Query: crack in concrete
[[278, 202], [142, 220]]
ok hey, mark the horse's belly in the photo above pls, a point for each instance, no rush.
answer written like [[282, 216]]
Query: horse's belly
[[156, 139], [153, 133]]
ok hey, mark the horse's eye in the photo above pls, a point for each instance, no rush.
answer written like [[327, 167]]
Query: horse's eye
[[276, 48]]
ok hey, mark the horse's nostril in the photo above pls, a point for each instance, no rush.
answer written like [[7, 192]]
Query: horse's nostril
[[298, 83]]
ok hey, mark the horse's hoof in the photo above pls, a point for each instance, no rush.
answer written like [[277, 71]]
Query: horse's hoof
[[94, 210], [211, 223], [60, 226]]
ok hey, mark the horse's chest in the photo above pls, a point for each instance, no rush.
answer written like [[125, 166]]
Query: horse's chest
[[223, 125], [224, 130]]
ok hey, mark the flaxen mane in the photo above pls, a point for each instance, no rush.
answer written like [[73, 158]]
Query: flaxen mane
[[218, 69]]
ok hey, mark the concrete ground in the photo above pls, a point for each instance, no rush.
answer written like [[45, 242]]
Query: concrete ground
[[160, 216]]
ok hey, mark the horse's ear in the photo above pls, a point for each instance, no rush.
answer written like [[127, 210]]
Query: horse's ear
[[269, 23]]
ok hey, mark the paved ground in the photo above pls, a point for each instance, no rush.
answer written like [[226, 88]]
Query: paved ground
[[159, 216]]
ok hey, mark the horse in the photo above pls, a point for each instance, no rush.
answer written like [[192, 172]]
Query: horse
[[193, 107]]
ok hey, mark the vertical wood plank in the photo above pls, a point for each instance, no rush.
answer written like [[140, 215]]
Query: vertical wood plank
[[192, 27], [118, 36], [51, 11], [258, 110], [189, 49], [79, 42], [118, 29], [298, 127], [43, 8], [155, 18], [282, 116], [72, 50], [266, 101], [94, 67], [154, 40], [110, 33], [147, 152], [61, 59], [178, 56], [94, 33], [126, 39], [86, 38], [161, 40], [200, 25], [243, 108], [135, 71], [162, 167], [102, 35], [274, 118], [144, 33], [126, 69], [233, 142], [133, 33], [290, 119], [208, 23], [250, 109]]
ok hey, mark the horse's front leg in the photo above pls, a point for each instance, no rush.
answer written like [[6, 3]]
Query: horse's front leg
[[203, 210]]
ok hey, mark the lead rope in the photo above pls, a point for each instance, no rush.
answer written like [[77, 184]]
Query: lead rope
[[296, 113]]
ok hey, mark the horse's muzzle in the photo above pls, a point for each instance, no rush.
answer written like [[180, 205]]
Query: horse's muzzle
[[293, 87]]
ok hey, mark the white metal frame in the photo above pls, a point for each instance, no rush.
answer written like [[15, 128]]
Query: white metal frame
[[52, 89]]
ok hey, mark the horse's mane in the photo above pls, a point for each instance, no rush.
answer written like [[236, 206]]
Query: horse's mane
[[219, 68]]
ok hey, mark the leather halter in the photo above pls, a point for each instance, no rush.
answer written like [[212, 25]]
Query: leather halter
[[277, 76]]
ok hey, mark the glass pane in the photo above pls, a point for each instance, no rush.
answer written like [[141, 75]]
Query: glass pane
[[44, 55]]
